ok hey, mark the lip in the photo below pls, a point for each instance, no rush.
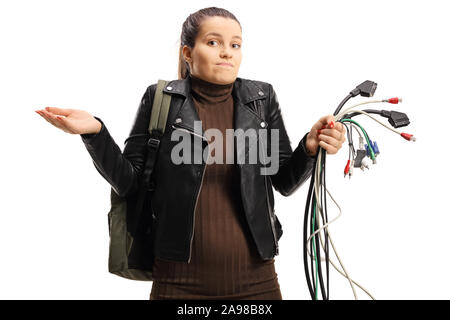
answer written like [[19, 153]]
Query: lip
[[225, 64]]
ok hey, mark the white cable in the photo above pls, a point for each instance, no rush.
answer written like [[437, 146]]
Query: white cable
[[319, 205], [342, 273], [345, 111], [325, 226], [334, 249], [316, 190]]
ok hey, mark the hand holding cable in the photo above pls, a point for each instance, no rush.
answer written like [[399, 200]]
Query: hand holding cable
[[325, 133]]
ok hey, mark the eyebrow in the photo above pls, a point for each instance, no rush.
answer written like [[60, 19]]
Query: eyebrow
[[219, 35]]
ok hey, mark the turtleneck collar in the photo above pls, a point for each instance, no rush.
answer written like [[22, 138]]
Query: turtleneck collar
[[208, 92]]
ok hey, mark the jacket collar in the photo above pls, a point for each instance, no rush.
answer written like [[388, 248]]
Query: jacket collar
[[244, 90]]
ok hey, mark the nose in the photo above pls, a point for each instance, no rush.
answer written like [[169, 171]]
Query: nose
[[226, 52]]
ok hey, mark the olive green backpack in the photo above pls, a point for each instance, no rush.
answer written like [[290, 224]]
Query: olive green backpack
[[131, 220]]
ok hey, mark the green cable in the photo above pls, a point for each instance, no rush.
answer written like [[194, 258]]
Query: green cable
[[372, 154]]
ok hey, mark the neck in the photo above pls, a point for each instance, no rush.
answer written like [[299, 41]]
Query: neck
[[209, 92]]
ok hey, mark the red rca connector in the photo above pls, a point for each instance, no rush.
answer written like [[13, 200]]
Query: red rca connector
[[408, 136], [395, 100], [347, 168]]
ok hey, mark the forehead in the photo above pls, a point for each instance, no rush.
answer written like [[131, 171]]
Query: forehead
[[220, 26]]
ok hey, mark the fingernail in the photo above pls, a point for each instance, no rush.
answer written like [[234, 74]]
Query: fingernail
[[318, 131], [331, 124]]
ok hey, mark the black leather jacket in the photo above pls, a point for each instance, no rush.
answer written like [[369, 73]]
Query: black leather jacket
[[177, 186]]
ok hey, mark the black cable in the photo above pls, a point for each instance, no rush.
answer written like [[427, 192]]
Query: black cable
[[350, 95], [365, 89], [319, 214], [324, 216], [305, 233]]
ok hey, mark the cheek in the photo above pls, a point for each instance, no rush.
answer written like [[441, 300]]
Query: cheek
[[208, 60], [238, 59]]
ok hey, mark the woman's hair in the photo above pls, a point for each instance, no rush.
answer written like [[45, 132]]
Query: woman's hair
[[190, 29]]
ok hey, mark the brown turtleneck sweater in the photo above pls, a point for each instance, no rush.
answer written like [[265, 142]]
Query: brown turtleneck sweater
[[224, 263]]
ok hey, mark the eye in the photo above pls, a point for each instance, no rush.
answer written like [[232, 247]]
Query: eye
[[212, 41], [237, 45]]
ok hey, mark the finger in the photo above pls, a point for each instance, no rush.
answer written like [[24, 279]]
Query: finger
[[43, 115], [333, 133], [330, 140], [324, 122], [319, 131], [327, 120], [339, 126], [60, 111], [329, 148], [51, 118]]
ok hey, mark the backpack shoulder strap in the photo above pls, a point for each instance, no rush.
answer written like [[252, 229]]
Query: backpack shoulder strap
[[157, 125], [156, 128], [160, 110]]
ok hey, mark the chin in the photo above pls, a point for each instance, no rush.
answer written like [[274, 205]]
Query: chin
[[225, 78]]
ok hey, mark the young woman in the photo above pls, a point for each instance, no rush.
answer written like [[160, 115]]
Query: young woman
[[228, 205]]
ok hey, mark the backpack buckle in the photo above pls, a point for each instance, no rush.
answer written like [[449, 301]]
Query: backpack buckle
[[153, 143], [155, 138]]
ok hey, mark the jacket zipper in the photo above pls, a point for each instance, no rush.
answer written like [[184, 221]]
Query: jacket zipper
[[195, 207], [272, 223], [259, 108], [271, 217], [180, 127]]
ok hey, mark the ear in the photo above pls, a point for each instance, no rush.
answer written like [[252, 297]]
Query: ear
[[186, 52]]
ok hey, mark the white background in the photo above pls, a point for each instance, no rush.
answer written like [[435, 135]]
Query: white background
[[100, 56]]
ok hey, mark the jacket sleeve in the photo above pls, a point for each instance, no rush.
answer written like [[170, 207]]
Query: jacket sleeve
[[121, 170], [295, 167]]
